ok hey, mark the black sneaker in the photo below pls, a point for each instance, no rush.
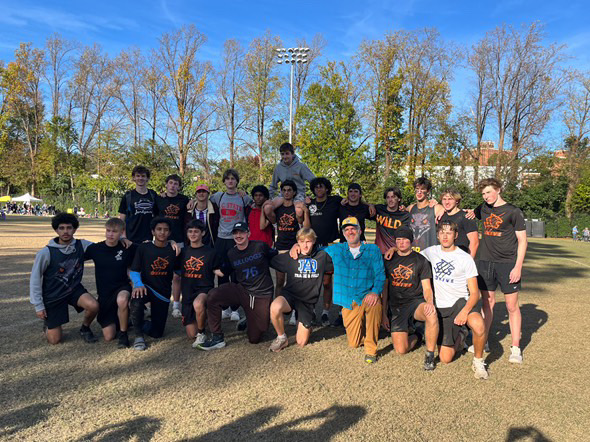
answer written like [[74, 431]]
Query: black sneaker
[[215, 342], [338, 322], [242, 324], [429, 362], [325, 319], [87, 335], [123, 340]]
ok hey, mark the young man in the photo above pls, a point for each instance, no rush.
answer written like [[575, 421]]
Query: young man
[[111, 265], [354, 206], [198, 266], [324, 211], [501, 256], [260, 228], [205, 212], [173, 206], [304, 284], [252, 288], [389, 218], [287, 222], [468, 236], [290, 168], [359, 277], [137, 207], [423, 221], [151, 274], [410, 298], [457, 296], [56, 281]]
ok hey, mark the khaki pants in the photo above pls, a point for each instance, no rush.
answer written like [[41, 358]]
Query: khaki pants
[[356, 331]]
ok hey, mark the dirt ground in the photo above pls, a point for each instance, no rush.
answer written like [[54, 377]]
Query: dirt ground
[[78, 391]]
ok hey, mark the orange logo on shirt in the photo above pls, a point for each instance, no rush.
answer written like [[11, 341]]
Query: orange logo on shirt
[[401, 274], [286, 222], [192, 267], [492, 223], [172, 211], [159, 266]]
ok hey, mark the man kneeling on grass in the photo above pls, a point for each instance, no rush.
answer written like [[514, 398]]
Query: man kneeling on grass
[[151, 275], [305, 276], [457, 298]]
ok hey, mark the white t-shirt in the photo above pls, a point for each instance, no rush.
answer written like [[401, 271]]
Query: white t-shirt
[[355, 251], [450, 272]]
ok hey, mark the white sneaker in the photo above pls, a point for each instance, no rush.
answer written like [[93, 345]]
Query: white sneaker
[[293, 319], [176, 313], [200, 339], [479, 368], [235, 316], [515, 355], [486, 348], [226, 314]]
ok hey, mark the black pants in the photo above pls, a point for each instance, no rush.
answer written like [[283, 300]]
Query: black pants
[[222, 246], [159, 314]]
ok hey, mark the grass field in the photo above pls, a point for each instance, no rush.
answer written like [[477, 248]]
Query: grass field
[[76, 391]]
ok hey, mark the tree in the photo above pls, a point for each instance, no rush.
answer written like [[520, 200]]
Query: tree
[[59, 52], [128, 79]]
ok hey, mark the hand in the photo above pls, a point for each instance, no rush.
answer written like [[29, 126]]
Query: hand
[[138, 292], [371, 299], [402, 208], [515, 275], [432, 203], [389, 254], [294, 252], [385, 322], [126, 243], [42, 314], [429, 309], [469, 213], [241, 193], [218, 273], [307, 200], [163, 194], [191, 205], [344, 201], [461, 318], [175, 247], [372, 210]]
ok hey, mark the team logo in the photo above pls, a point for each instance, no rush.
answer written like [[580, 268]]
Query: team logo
[[119, 256], [420, 225], [308, 265], [444, 268], [401, 275], [68, 270], [313, 209], [493, 221], [172, 211], [143, 207], [193, 265], [160, 264], [286, 221]]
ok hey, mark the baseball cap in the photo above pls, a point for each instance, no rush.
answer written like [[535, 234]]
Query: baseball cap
[[356, 186], [240, 226], [404, 232], [350, 221], [203, 187]]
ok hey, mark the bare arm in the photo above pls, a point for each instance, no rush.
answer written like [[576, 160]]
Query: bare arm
[[515, 274], [306, 221], [473, 238], [263, 219]]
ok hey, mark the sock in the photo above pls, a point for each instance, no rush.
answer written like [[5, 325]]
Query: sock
[[430, 354], [123, 332], [84, 328], [176, 305], [201, 331], [283, 336], [325, 312], [478, 359]]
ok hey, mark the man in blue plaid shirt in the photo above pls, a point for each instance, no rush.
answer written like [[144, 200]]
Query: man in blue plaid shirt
[[359, 277]]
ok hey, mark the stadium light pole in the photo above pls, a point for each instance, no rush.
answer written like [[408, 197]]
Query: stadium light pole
[[292, 56]]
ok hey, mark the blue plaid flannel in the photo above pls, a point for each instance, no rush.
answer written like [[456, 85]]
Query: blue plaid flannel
[[354, 278]]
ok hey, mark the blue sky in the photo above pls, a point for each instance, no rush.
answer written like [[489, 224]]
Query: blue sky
[[120, 24]]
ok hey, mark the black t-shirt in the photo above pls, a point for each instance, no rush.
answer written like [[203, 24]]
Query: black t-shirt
[[404, 276], [110, 266], [360, 212], [465, 226], [251, 267], [499, 242], [139, 211], [156, 265], [305, 275], [387, 223], [196, 267], [324, 219], [173, 208], [287, 226]]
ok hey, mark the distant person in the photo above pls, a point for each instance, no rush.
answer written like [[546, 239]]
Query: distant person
[[586, 234], [575, 232]]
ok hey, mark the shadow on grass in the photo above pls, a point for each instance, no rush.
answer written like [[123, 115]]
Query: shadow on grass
[[526, 434], [332, 421], [141, 428], [23, 418]]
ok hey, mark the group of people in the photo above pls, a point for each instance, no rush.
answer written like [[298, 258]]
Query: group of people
[[585, 234], [419, 280]]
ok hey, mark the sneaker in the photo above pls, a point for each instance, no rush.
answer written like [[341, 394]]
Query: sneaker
[[87, 335], [370, 359], [123, 341], [226, 314], [293, 319], [242, 324], [325, 319], [338, 322], [278, 344], [479, 368], [515, 355], [235, 316], [471, 348], [139, 344], [213, 343], [200, 339], [429, 362], [176, 313]]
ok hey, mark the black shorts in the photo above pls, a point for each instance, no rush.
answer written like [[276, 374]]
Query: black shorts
[[448, 331], [188, 312], [403, 315], [492, 274], [304, 309], [107, 307], [57, 312]]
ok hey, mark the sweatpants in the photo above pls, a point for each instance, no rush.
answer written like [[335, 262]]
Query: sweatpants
[[159, 314], [362, 325], [257, 309]]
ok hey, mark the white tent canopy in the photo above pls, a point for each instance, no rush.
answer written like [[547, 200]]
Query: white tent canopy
[[26, 198]]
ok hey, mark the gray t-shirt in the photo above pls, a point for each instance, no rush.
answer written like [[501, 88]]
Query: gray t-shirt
[[231, 211]]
